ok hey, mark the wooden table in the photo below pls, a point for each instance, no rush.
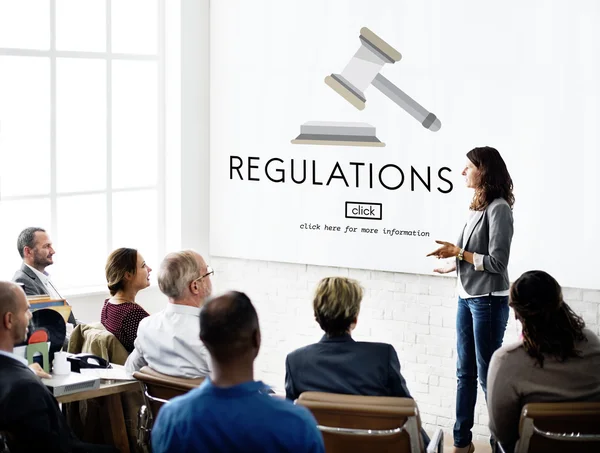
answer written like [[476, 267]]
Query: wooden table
[[106, 389], [110, 393]]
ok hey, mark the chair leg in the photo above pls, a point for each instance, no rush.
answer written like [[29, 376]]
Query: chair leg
[[436, 444], [144, 426]]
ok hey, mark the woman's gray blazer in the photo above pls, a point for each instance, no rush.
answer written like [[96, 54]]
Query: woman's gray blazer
[[490, 235]]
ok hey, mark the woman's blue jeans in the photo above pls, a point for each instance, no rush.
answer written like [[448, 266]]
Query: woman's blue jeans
[[480, 326]]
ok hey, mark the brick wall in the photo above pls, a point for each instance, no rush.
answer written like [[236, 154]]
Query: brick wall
[[415, 313]]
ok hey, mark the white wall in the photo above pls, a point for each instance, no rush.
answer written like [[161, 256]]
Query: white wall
[[195, 122]]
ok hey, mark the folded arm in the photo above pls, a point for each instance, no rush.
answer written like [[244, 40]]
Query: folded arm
[[135, 361]]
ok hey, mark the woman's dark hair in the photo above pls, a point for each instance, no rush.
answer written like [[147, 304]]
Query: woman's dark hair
[[550, 327], [494, 179], [120, 262]]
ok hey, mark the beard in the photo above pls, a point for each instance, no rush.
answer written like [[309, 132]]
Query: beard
[[21, 334], [41, 261]]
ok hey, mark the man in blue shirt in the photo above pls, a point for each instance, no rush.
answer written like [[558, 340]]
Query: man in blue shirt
[[231, 412]]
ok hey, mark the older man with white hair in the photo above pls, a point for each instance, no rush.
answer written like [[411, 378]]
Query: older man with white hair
[[169, 341]]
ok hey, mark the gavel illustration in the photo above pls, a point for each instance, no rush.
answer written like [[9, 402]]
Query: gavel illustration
[[364, 70]]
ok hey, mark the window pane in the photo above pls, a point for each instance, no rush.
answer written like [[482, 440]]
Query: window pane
[[25, 24], [81, 25], [17, 215], [134, 123], [140, 15], [80, 242], [25, 126], [80, 124], [139, 230]]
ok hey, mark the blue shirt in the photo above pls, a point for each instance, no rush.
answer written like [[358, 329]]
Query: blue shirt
[[234, 419]]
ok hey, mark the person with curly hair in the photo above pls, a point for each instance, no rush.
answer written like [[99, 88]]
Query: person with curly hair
[[481, 262], [557, 358]]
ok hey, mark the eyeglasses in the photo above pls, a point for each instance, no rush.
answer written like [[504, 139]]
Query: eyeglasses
[[209, 271]]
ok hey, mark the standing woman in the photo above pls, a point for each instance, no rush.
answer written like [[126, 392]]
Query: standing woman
[[482, 253]]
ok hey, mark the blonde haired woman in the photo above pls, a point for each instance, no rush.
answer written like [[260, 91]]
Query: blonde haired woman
[[337, 363]]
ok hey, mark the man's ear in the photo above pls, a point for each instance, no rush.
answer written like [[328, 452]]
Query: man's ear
[[195, 287], [27, 251], [7, 320], [256, 339]]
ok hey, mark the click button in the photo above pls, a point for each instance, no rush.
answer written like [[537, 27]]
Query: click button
[[362, 210]]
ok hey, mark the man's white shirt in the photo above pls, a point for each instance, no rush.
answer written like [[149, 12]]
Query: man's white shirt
[[45, 279], [14, 356], [169, 342]]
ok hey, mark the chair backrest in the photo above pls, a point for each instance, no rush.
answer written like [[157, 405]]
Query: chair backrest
[[373, 424], [159, 388], [549, 427]]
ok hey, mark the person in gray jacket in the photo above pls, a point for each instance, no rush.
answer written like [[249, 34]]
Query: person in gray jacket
[[35, 247], [481, 261]]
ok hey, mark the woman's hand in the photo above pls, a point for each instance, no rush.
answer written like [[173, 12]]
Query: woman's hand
[[447, 250], [445, 270]]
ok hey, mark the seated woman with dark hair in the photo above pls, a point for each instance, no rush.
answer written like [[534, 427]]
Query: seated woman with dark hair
[[337, 363], [556, 360], [126, 274]]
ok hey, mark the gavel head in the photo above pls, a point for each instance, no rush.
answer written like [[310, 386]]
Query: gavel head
[[366, 63]]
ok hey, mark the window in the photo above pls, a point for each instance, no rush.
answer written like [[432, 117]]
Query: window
[[82, 131]]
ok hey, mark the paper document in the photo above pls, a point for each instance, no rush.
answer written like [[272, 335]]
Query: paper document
[[116, 373]]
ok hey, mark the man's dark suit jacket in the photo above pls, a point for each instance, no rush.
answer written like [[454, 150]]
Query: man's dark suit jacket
[[33, 286], [29, 413], [342, 365]]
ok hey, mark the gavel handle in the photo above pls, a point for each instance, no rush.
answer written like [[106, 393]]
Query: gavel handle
[[412, 107]]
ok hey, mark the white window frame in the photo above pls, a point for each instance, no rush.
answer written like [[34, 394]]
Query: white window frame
[[160, 58]]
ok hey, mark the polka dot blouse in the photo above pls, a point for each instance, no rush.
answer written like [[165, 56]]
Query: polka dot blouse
[[122, 320]]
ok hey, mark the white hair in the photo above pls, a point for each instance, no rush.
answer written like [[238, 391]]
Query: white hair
[[176, 272]]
